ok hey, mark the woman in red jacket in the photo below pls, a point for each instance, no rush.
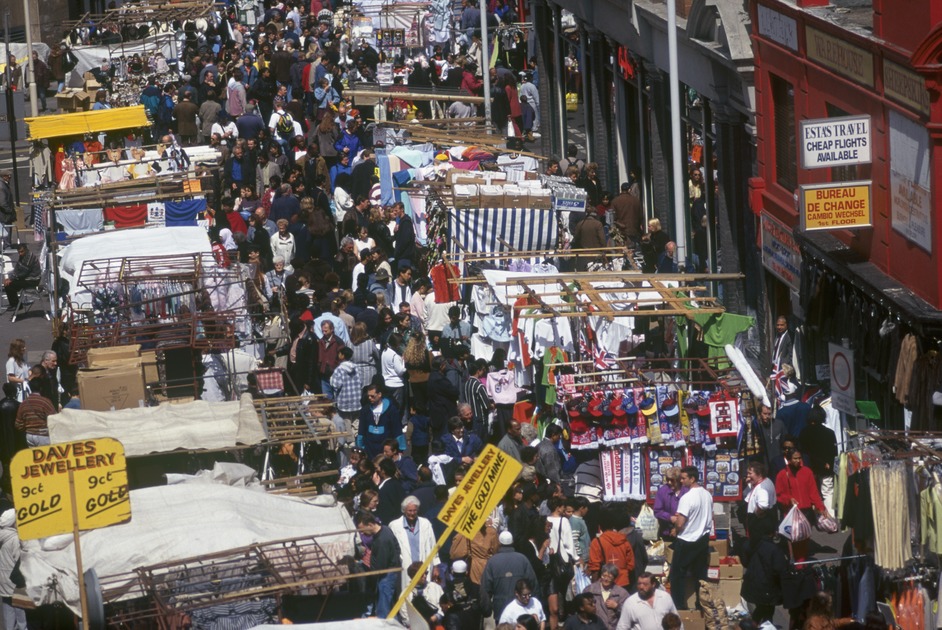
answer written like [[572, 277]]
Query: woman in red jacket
[[795, 486]]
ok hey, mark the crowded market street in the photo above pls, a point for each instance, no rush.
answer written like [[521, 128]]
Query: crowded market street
[[470, 314]]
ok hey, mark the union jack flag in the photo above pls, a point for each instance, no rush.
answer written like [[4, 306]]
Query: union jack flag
[[603, 359], [779, 379]]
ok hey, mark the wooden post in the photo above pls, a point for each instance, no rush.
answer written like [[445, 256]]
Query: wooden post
[[78, 550]]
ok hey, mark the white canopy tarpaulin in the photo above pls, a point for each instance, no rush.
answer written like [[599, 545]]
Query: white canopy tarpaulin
[[91, 56], [164, 241], [193, 425], [175, 522]]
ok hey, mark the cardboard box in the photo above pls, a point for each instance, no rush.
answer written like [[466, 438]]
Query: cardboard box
[[91, 85], [721, 545], [728, 591], [540, 199], [97, 356], [713, 573], [466, 196], [515, 197], [714, 557], [492, 196], [84, 100], [149, 363], [731, 571], [118, 386], [692, 619]]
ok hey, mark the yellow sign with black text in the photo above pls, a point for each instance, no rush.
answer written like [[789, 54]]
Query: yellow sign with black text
[[835, 206], [41, 487], [491, 474]]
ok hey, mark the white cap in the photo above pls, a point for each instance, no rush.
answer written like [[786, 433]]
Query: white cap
[[506, 538], [460, 566]]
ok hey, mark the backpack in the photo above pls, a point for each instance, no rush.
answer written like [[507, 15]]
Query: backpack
[[165, 110], [285, 125]]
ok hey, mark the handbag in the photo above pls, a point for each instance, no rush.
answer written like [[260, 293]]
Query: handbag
[[561, 570]]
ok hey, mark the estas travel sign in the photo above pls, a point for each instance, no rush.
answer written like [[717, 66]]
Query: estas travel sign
[[828, 142]]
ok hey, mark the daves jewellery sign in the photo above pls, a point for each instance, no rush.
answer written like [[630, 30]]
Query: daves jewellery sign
[[828, 142], [835, 206], [41, 487], [490, 476]]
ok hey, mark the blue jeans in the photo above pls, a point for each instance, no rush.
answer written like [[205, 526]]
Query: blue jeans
[[386, 591], [326, 389]]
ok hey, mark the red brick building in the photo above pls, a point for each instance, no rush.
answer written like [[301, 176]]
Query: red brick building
[[815, 60]]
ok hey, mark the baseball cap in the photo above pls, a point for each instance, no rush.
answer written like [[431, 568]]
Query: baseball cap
[[460, 566], [506, 538]]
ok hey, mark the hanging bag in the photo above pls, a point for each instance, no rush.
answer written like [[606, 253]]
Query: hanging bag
[[647, 523], [795, 527], [561, 570], [828, 524]]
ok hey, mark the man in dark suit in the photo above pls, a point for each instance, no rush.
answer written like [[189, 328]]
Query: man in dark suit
[[391, 493], [461, 445], [404, 239]]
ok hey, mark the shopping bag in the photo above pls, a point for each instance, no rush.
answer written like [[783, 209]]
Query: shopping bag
[[647, 523], [795, 527], [572, 101], [828, 524]]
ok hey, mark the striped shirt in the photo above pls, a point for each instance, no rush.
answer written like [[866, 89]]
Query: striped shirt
[[32, 414]]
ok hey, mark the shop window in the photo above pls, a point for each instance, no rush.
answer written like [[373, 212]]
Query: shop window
[[849, 172], [786, 170]]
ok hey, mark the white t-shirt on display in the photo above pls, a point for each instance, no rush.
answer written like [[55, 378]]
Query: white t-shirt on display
[[697, 507]]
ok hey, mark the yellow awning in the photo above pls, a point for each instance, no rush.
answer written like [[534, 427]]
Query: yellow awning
[[80, 123]]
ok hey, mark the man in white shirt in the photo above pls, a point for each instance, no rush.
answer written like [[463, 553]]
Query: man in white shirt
[[523, 603], [646, 608], [760, 502], [692, 524]]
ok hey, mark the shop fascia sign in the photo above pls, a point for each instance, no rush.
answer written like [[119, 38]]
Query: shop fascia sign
[[829, 142], [835, 206]]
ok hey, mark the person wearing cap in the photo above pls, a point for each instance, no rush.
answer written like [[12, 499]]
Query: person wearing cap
[[793, 412], [415, 536], [302, 357], [629, 217], [464, 594], [7, 209], [13, 618], [500, 576]]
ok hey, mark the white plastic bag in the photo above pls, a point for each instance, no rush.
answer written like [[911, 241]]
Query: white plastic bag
[[647, 523], [795, 527]]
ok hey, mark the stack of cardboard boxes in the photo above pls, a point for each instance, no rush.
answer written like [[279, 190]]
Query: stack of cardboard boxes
[[489, 189], [79, 100], [724, 571], [114, 379]]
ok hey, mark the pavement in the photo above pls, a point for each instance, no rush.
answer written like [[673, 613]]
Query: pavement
[[32, 327]]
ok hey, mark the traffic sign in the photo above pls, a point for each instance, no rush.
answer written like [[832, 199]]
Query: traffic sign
[[843, 396], [42, 495]]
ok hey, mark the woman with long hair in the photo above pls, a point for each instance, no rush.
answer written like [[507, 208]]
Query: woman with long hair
[[365, 353], [328, 132], [418, 362], [17, 368]]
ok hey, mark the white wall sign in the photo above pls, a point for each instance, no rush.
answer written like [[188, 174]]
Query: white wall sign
[[843, 391], [780, 253], [779, 28], [910, 186], [828, 142]]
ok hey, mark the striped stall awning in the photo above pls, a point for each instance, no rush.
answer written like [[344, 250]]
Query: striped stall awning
[[482, 229]]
